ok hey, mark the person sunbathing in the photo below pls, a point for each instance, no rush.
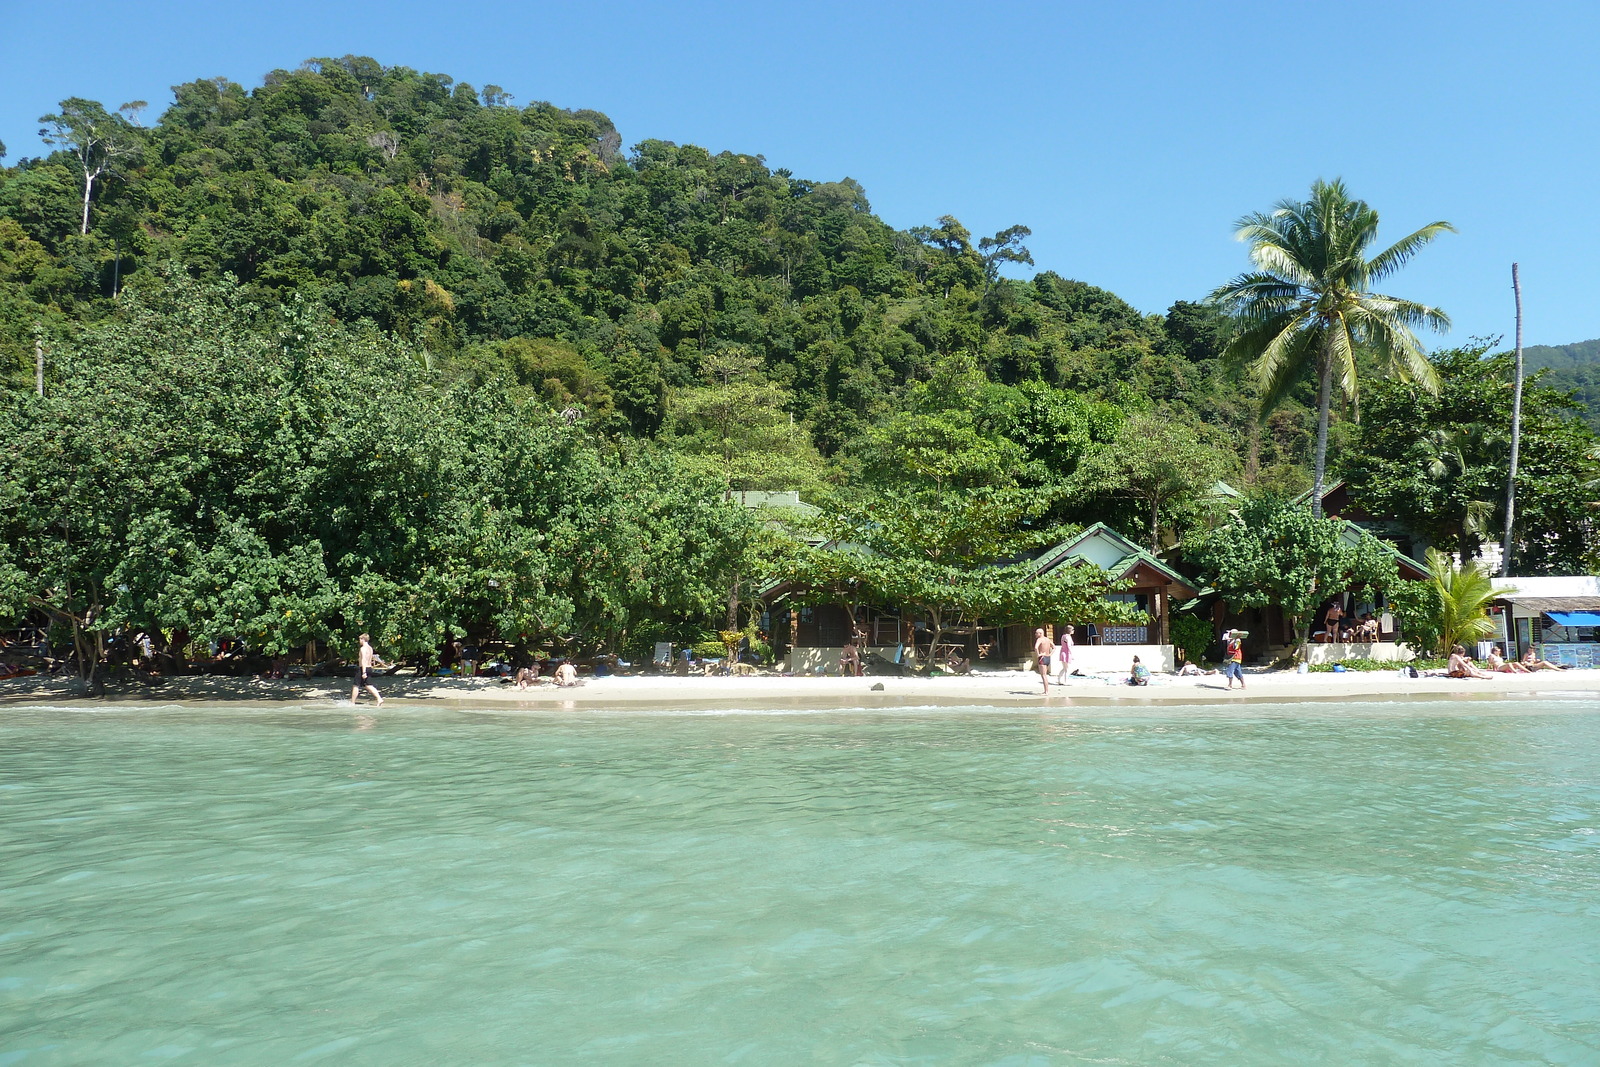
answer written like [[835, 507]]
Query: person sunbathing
[[1461, 667], [1531, 660], [1501, 665]]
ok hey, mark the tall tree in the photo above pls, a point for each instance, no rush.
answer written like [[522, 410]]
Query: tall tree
[[1159, 462], [1308, 310], [1274, 553], [98, 139], [734, 427]]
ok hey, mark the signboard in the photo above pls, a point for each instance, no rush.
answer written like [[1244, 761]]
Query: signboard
[[1586, 654]]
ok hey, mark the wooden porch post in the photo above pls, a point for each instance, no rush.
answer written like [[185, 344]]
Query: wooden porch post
[[1164, 602]]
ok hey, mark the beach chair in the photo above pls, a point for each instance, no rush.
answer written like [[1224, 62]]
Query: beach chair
[[662, 660]]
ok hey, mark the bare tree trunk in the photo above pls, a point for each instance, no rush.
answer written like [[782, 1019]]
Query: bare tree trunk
[[733, 603], [936, 618], [1155, 527], [88, 187], [1516, 434], [38, 365], [1324, 403]]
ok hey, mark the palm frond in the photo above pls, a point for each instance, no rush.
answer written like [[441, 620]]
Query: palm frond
[[1407, 312], [1398, 254], [1396, 346], [1295, 362], [1251, 297], [1281, 263]]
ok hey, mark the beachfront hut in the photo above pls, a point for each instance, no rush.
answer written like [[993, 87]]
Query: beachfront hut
[[1558, 616], [1155, 586]]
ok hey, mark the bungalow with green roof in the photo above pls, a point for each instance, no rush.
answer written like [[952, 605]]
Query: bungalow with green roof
[[1098, 646]]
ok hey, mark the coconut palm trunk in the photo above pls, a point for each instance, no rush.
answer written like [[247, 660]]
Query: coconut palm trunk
[[1324, 410]]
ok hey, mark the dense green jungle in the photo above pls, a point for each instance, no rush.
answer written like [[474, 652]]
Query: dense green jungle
[[364, 347]]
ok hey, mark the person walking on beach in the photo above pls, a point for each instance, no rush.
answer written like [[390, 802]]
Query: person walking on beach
[[1041, 649], [365, 661], [1064, 654], [1233, 657]]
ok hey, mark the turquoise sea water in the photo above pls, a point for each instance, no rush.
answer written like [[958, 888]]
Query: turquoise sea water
[[256, 885]]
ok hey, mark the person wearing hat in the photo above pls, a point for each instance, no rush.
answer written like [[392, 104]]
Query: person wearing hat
[[1233, 657]]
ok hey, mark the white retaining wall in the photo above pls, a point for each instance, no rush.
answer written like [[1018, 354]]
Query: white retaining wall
[[1382, 651]]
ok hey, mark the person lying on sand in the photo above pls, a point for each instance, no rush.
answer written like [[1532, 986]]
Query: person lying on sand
[[1501, 665], [1531, 660], [1191, 670], [1461, 667]]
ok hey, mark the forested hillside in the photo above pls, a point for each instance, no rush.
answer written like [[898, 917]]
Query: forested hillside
[[526, 242], [364, 346], [1574, 367]]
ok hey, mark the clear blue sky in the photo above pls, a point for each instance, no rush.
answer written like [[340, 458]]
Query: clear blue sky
[[1128, 136]]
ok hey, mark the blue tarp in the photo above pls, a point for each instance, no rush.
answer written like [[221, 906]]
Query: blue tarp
[[1575, 618]]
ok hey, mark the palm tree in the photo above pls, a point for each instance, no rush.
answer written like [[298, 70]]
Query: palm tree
[[1307, 310], [1464, 592]]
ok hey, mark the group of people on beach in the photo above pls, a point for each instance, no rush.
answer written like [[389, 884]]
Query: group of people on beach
[[1461, 666], [1056, 657], [367, 663]]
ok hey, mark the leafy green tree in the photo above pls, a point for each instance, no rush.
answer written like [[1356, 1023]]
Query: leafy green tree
[[736, 432], [100, 141], [951, 434], [1437, 463], [1273, 553], [1004, 247], [1157, 461], [203, 469], [1308, 311]]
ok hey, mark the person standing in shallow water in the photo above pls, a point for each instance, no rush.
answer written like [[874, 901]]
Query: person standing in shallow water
[[1041, 650], [364, 663]]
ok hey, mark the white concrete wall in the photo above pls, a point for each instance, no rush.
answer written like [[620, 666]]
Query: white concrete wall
[[1381, 651], [1091, 659]]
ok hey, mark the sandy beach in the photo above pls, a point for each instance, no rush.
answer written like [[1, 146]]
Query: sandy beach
[[772, 692]]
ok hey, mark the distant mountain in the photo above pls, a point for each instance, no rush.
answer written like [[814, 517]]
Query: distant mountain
[[1563, 357], [1575, 367]]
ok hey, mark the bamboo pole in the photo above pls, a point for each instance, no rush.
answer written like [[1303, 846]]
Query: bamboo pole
[[1516, 434]]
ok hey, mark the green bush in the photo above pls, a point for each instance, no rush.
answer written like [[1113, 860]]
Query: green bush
[[1194, 636], [712, 649], [1358, 664]]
